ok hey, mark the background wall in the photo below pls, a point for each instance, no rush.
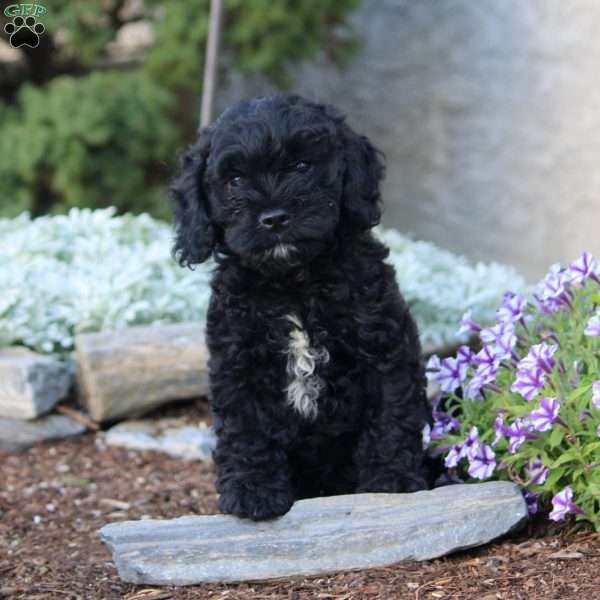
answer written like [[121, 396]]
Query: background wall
[[489, 114]]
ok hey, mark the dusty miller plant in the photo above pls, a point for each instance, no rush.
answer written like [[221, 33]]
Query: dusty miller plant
[[92, 271]]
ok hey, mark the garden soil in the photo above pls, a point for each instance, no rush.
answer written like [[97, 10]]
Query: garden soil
[[55, 497]]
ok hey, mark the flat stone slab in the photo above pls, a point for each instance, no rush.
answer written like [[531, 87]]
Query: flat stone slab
[[319, 535], [16, 434], [192, 442], [30, 383], [127, 373]]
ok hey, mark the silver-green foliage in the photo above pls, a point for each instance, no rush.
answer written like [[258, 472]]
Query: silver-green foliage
[[92, 270], [440, 286]]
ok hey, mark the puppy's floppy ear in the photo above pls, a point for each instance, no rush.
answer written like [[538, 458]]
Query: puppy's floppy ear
[[363, 171], [194, 232]]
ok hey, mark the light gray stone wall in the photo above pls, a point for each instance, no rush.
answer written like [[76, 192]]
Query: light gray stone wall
[[489, 114]]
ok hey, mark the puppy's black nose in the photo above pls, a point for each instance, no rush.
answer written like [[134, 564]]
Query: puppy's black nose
[[275, 219]]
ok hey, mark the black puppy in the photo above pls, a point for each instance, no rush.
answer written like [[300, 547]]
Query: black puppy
[[316, 381]]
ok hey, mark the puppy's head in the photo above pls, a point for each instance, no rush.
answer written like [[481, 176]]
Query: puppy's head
[[273, 181]]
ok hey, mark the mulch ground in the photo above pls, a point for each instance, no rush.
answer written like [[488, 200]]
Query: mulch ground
[[54, 498]]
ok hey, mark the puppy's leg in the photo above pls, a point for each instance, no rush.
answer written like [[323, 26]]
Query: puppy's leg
[[252, 475], [253, 472], [389, 453]]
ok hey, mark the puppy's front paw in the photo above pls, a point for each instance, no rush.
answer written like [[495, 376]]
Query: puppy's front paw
[[257, 504]]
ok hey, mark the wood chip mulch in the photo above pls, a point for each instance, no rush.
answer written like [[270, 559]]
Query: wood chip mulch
[[54, 498]]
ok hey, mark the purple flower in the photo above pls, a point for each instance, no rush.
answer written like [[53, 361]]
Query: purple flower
[[529, 382], [499, 429], [546, 415], [468, 325], [487, 361], [512, 308], [433, 364], [447, 372], [582, 269], [593, 327], [482, 462], [464, 356], [451, 374], [467, 448], [531, 499], [472, 391], [483, 376], [517, 433], [540, 356], [552, 294], [471, 443], [505, 344], [537, 472], [426, 435], [501, 338], [562, 505], [442, 424], [596, 394], [598, 431], [433, 367], [454, 455]]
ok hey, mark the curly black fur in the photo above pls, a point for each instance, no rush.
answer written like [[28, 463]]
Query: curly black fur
[[318, 275]]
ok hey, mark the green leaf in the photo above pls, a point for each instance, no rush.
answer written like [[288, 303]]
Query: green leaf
[[553, 478], [566, 457], [590, 449], [579, 391], [556, 437]]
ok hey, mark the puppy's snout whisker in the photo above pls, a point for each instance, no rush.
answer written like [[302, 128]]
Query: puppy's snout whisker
[[275, 220]]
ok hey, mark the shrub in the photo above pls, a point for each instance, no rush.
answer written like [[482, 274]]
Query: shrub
[[95, 141], [526, 407], [262, 36], [91, 271]]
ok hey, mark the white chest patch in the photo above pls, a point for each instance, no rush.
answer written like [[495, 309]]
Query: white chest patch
[[305, 385]]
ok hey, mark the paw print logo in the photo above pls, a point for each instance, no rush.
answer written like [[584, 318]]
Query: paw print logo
[[24, 32]]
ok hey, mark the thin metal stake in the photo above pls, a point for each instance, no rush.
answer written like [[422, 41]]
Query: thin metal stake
[[211, 65]]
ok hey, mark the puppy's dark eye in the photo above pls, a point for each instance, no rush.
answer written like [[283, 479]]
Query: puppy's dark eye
[[301, 165], [235, 181]]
